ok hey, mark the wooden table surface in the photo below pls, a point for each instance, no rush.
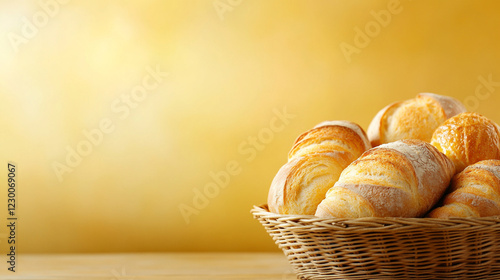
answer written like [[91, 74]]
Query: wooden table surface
[[272, 266]]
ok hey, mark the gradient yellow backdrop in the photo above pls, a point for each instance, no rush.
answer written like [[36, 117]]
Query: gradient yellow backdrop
[[184, 99]]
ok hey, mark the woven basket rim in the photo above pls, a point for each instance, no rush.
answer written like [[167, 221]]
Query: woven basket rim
[[371, 223]]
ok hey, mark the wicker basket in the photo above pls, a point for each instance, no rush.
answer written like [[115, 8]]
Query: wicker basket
[[386, 248]]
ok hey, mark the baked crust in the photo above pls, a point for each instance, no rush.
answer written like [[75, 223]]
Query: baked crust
[[474, 192], [332, 136], [315, 162], [300, 185], [468, 138], [400, 179], [415, 118]]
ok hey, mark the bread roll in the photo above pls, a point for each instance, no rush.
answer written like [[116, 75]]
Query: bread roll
[[468, 138], [415, 118], [400, 179], [474, 192], [332, 136], [301, 184]]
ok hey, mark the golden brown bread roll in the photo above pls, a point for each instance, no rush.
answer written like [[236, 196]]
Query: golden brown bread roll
[[301, 184], [415, 118], [400, 179], [315, 162], [468, 138], [474, 192], [332, 136]]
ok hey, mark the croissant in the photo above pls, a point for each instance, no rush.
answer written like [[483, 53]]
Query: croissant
[[301, 184], [415, 118], [468, 138], [474, 192], [400, 179], [332, 136]]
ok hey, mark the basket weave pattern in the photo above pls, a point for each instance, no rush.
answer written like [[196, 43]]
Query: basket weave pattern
[[386, 248]]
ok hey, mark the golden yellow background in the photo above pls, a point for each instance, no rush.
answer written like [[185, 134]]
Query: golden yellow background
[[233, 67]]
